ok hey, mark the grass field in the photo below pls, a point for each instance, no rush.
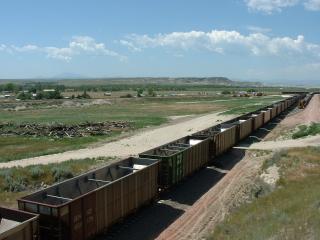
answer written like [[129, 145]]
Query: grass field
[[291, 211], [17, 181], [142, 112]]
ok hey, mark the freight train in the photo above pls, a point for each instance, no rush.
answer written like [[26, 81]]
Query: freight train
[[87, 205]]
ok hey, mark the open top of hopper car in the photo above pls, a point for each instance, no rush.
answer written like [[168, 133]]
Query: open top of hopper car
[[215, 129], [175, 147], [69, 190], [13, 220]]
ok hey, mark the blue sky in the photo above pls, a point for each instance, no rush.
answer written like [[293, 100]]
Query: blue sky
[[275, 40]]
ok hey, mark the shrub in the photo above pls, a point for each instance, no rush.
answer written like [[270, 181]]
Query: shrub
[[274, 159], [60, 173], [36, 172], [16, 184], [304, 131], [225, 92], [126, 96]]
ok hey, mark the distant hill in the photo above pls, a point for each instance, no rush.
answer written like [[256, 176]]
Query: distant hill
[[220, 81]]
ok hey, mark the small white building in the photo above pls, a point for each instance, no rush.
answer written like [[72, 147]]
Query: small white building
[[49, 90]]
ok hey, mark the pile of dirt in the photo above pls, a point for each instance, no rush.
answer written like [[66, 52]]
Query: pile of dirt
[[63, 130]]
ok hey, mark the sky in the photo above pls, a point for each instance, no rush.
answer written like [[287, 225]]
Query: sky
[[254, 40]]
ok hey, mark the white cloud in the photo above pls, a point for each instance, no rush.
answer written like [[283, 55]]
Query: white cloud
[[80, 45], [269, 6], [25, 48], [257, 29], [312, 5], [77, 46], [224, 42], [3, 47], [130, 46]]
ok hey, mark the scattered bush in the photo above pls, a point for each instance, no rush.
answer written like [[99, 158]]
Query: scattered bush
[[128, 95], [274, 159], [304, 131], [14, 184], [225, 92], [60, 173], [151, 92], [36, 172], [84, 95]]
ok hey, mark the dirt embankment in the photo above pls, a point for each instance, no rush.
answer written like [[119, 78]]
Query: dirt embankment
[[306, 116]]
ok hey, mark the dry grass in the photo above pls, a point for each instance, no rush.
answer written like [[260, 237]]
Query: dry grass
[[291, 211], [18, 181]]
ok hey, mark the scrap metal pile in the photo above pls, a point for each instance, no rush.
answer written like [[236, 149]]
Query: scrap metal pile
[[58, 130]]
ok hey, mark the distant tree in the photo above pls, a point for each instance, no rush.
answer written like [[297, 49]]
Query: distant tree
[[24, 96], [84, 95], [225, 92], [128, 95], [139, 92], [40, 96], [151, 92]]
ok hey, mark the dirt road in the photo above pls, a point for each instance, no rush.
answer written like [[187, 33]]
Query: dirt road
[[133, 145], [291, 143], [308, 115]]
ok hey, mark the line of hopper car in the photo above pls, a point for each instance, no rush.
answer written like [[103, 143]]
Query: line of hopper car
[[87, 205]]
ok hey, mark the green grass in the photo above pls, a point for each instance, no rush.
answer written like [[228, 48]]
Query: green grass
[[18, 181], [304, 131], [141, 112], [291, 211], [17, 147], [245, 105]]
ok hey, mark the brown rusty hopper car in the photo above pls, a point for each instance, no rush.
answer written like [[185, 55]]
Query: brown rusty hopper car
[[84, 206], [18, 225], [266, 115], [257, 120], [222, 137]]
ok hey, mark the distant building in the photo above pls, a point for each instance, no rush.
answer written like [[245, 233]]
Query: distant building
[[49, 90], [69, 90]]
